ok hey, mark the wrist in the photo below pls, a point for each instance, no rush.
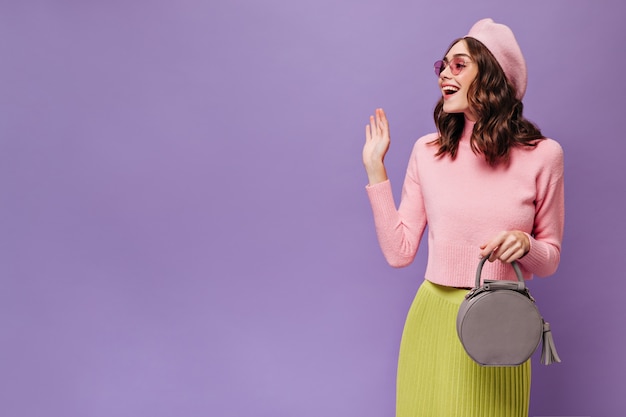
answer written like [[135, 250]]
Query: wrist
[[526, 244], [376, 173]]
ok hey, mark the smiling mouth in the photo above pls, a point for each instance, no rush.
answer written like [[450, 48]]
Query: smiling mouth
[[449, 90]]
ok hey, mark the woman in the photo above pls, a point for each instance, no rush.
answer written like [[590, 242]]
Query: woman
[[487, 183]]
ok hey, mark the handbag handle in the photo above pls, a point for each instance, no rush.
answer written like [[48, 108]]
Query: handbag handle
[[518, 273]]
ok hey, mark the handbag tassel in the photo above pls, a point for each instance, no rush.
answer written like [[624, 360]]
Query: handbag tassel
[[548, 351]]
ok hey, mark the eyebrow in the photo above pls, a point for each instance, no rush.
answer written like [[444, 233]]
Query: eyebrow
[[456, 56]]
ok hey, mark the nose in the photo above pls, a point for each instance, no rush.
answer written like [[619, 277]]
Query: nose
[[444, 74]]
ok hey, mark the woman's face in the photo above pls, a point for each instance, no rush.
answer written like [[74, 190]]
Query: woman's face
[[454, 88]]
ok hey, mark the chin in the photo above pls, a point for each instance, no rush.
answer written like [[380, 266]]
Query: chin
[[450, 108]]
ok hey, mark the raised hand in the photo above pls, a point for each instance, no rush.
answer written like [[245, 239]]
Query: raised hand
[[377, 141]]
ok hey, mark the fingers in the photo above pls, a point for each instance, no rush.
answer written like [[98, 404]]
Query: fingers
[[378, 123], [506, 246], [495, 247], [488, 249], [381, 120], [371, 128], [508, 253], [377, 132]]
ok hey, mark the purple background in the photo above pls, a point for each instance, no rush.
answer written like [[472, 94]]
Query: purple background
[[183, 223]]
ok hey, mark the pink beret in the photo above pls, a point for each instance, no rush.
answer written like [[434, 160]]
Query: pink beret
[[500, 41]]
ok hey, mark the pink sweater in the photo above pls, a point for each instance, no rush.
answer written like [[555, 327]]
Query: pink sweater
[[465, 203]]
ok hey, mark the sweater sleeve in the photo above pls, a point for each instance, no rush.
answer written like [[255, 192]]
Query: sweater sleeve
[[399, 230], [545, 240]]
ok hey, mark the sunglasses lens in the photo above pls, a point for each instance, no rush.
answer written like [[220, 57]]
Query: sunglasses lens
[[439, 67], [457, 65]]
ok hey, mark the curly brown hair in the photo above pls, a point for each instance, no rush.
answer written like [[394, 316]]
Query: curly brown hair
[[500, 124]]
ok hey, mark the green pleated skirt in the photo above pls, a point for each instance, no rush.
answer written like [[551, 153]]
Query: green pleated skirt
[[436, 378]]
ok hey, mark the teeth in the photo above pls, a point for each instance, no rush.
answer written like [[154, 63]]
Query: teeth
[[450, 89]]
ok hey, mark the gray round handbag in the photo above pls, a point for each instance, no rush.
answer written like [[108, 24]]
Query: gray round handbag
[[499, 324]]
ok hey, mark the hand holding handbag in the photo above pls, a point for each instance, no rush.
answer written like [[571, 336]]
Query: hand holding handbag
[[499, 324]]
